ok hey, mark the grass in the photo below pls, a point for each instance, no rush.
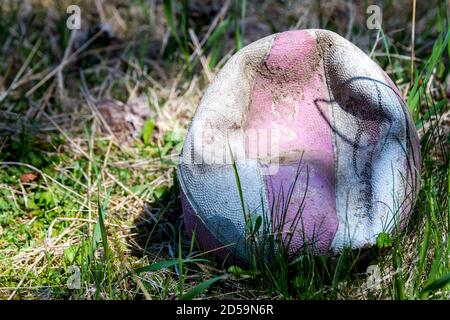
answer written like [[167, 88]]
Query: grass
[[75, 200]]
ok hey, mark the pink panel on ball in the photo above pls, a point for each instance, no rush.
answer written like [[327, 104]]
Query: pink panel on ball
[[286, 98]]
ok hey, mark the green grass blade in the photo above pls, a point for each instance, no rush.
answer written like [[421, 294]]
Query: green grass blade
[[418, 88], [201, 287], [218, 32], [433, 111], [170, 18], [239, 186], [438, 284], [386, 45], [147, 131]]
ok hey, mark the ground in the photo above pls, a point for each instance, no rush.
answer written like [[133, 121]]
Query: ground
[[89, 203]]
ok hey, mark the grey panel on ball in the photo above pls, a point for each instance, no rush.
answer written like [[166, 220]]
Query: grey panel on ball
[[213, 193], [371, 144]]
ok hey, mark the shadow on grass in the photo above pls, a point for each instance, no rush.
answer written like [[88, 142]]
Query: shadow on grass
[[159, 228]]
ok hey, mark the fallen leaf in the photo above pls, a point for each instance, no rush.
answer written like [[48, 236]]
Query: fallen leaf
[[126, 121], [29, 177]]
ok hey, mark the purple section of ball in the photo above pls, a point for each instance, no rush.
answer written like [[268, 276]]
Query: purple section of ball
[[304, 208]]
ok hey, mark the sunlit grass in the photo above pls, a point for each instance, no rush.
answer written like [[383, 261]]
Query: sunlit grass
[[113, 211]]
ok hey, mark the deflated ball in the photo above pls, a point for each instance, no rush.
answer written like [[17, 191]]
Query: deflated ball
[[322, 141]]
